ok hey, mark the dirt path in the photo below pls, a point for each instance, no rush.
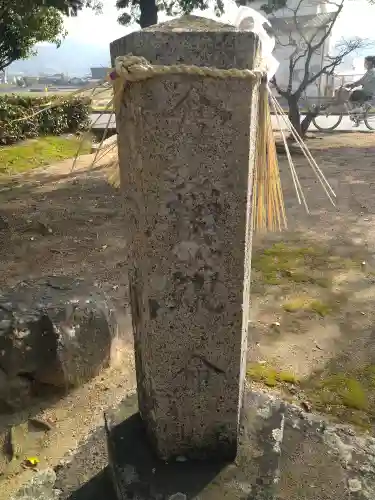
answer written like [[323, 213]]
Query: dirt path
[[314, 293], [63, 223], [312, 297]]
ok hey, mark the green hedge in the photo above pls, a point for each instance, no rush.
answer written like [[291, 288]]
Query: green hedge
[[70, 117]]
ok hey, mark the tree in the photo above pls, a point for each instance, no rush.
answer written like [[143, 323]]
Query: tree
[[66, 7], [306, 39], [24, 23], [145, 12]]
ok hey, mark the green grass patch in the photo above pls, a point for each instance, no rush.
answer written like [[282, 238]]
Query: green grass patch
[[269, 375], [309, 305], [39, 152], [348, 397]]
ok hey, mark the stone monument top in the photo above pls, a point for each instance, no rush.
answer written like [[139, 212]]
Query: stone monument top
[[190, 23], [190, 40]]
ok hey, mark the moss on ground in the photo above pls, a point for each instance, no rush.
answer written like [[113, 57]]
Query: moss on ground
[[308, 304], [282, 263], [342, 390], [348, 396], [287, 263], [305, 280], [308, 270], [268, 375]]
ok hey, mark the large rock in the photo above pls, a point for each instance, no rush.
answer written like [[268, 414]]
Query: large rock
[[57, 331], [15, 392]]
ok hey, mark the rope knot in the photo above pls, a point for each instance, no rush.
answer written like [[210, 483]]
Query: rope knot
[[132, 68]]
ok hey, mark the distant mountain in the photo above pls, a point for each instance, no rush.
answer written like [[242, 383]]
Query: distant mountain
[[72, 58]]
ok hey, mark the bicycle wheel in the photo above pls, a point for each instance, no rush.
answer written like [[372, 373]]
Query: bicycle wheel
[[369, 119], [327, 123]]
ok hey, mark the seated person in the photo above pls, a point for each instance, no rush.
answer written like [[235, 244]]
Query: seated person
[[367, 82]]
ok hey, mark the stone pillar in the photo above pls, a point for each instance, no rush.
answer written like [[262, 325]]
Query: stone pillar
[[185, 172]]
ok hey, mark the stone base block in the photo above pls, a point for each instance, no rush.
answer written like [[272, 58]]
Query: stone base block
[[138, 473]]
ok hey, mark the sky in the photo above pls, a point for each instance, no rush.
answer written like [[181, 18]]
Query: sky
[[102, 29], [87, 26]]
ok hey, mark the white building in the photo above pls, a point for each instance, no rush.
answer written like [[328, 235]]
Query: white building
[[3, 76], [300, 21]]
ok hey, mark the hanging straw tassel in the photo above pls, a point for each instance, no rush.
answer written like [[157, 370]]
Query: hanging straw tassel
[[268, 211]]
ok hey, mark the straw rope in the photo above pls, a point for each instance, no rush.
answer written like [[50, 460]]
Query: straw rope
[[134, 69]]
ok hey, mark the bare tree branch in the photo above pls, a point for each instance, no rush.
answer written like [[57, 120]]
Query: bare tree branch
[[312, 49], [305, 38], [308, 43], [280, 91]]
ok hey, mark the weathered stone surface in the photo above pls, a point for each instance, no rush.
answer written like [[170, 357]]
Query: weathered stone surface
[[56, 331], [41, 487], [151, 41], [321, 460], [184, 162]]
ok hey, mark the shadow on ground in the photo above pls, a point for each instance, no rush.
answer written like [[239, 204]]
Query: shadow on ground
[[140, 474], [68, 225], [87, 477]]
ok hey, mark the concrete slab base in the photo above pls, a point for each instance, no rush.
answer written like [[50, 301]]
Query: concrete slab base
[[138, 474], [317, 460]]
